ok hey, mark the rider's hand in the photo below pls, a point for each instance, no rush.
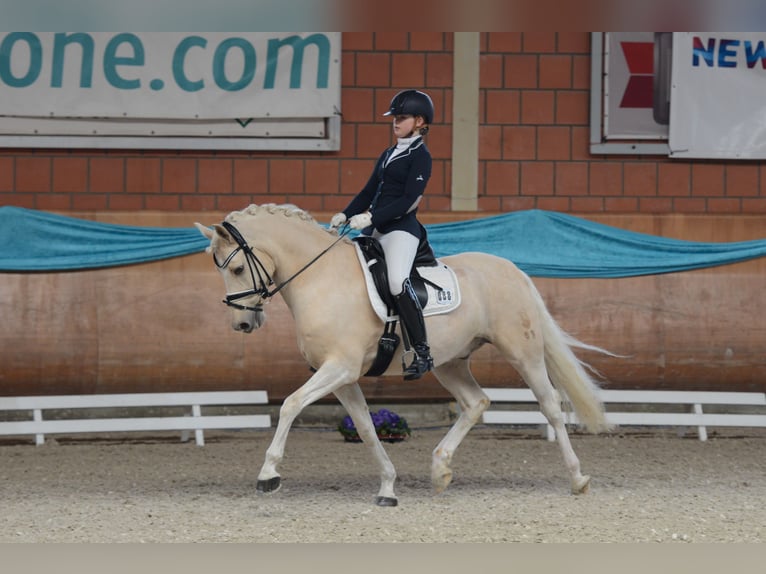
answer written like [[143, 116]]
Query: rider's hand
[[361, 220], [337, 220]]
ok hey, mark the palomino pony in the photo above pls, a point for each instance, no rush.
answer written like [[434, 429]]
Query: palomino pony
[[338, 333]]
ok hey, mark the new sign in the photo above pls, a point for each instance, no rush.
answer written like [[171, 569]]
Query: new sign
[[717, 108]]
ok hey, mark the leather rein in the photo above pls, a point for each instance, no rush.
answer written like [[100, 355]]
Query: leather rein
[[258, 272]]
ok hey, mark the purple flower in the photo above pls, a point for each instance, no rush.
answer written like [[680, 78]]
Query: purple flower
[[387, 423]]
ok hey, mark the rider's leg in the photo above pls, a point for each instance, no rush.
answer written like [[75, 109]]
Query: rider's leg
[[400, 248], [411, 316]]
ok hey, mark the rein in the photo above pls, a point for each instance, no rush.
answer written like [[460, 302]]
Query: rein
[[257, 268]]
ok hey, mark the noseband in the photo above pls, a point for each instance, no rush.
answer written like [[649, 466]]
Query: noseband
[[258, 269]]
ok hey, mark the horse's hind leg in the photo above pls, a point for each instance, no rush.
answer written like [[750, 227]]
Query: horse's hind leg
[[456, 377], [353, 401], [537, 379]]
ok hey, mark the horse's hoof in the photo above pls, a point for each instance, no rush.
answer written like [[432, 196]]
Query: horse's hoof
[[441, 480], [386, 501], [268, 486], [581, 486]]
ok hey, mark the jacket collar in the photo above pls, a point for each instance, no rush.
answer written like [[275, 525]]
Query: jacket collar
[[414, 143]]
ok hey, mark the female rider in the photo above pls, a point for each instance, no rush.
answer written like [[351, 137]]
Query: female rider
[[386, 208]]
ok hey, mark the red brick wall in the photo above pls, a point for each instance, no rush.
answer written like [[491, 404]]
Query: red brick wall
[[533, 146]]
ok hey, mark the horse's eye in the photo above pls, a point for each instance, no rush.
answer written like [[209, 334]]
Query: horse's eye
[[239, 270]]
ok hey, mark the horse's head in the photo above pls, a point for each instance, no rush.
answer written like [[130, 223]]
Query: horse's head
[[245, 278]]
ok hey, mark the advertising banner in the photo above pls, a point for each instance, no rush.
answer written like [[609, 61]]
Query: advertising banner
[[632, 71], [717, 104], [169, 75], [181, 90]]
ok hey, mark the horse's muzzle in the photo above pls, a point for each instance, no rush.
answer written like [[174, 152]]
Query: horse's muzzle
[[248, 321]]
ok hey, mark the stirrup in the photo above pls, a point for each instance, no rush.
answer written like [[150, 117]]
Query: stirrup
[[419, 367]]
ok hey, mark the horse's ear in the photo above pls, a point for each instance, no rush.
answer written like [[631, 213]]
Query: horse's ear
[[210, 233], [222, 233], [206, 231]]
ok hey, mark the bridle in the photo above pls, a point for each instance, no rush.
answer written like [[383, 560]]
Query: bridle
[[255, 266], [258, 270]]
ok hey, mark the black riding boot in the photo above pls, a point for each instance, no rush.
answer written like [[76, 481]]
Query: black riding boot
[[411, 317]]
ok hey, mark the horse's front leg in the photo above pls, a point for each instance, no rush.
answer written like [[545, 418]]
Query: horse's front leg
[[330, 377], [353, 401]]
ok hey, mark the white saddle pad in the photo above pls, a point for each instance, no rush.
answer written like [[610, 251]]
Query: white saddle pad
[[439, 302]]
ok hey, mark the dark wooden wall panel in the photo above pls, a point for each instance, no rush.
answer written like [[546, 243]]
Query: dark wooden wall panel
[[161, 326]]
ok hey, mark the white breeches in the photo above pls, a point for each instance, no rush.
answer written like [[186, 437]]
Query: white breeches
[[400, 248]]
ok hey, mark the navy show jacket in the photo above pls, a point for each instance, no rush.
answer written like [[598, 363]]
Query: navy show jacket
[[393, 189]]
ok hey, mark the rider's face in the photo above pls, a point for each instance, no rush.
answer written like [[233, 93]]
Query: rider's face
[[405, 125]]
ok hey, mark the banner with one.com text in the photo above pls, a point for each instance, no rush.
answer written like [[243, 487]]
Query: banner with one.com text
[[170, 75]]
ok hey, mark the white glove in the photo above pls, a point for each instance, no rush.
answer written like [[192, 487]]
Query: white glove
[[361, 220], [337, 220]]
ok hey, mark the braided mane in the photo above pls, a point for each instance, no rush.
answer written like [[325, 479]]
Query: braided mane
[[285, 209]]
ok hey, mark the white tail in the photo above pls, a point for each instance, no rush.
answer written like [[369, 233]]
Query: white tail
[[567, 372]]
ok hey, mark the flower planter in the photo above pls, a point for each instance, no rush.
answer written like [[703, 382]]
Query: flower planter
[[392, 437], [383, 438], [389, 426]]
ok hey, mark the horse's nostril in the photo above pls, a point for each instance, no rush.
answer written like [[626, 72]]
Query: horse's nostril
[[244, 326]]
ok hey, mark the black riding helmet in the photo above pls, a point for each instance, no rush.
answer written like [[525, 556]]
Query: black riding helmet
[[412, 103]]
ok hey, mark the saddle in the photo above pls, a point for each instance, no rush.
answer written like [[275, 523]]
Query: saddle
[[427, 275], [376, 263]]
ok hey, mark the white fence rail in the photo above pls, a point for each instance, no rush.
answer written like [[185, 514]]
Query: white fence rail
[[663, 412], [193, 420]]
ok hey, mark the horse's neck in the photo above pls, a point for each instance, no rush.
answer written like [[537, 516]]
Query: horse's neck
[[291, 244]]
